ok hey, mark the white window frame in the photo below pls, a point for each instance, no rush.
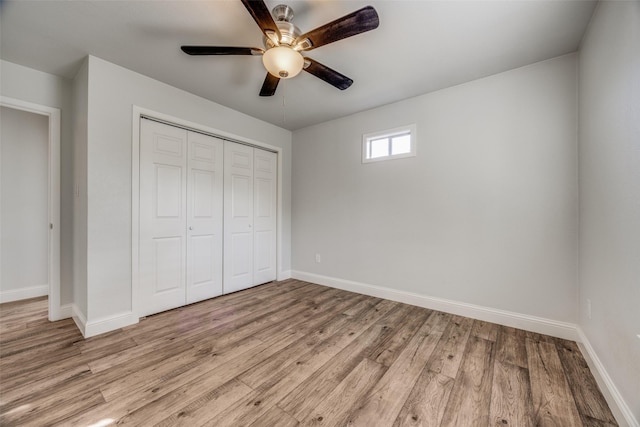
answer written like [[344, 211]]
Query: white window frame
[[389, 133]]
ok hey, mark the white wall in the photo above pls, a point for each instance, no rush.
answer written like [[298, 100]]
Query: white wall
[[113, 91], [486, 212], [24, 146], [34, 86], [79, 104], [609, 151]]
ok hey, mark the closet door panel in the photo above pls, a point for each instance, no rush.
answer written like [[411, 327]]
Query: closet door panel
[[204, 217], [265, 220], [168, 265], [238, 217], [263, 256], [163, 201]]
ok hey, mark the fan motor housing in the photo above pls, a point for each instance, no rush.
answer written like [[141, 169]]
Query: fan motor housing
[[282, 12], [288, 32], [283, 15]]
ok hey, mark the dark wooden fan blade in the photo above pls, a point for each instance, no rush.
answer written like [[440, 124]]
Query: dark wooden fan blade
[[263, 18], [270, 85], [325, 73], [221, 50], [360, 21]]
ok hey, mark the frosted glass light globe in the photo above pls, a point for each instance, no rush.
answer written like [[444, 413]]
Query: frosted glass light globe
[[283, 62]]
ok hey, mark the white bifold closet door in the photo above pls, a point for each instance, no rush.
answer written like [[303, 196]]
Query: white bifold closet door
[[181, 217], [250, 177]]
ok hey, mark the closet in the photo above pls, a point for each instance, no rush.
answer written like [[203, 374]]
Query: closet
[[207, 217]]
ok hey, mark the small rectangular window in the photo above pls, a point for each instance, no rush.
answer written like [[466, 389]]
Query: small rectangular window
[[390, 144]]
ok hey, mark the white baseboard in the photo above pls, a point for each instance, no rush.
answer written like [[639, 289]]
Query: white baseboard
[[24, 293], [78, 318], [521, 321], [100, 326], [109, 323], [66, 311], [617, 404]]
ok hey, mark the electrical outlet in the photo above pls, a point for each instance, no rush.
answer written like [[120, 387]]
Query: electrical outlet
[[589, 309], [318, 258]]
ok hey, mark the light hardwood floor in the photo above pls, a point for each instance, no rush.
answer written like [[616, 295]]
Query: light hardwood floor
[[286, 354]]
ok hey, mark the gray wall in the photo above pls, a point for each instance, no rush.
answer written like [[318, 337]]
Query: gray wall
[[29, 85], [24, 147], [485, 214], [79, 102], [610, 192]]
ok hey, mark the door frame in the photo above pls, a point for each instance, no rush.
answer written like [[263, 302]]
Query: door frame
[[137, 114], [53, 114]]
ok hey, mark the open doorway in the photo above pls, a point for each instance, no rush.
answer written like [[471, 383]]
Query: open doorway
[[30, 202]]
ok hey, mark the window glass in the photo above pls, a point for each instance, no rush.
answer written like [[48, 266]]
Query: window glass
[[401, 145], [379, 148]]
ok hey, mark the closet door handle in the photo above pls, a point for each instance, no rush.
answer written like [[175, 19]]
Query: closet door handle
[[190, 227]]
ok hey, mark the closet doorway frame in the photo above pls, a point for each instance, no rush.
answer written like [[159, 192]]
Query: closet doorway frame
[[53, 148], [138, 113]]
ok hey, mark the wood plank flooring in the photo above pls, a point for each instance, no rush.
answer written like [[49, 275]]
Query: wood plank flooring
[[291, 354]]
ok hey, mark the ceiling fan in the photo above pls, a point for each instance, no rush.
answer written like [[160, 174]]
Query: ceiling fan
[[283, 44]]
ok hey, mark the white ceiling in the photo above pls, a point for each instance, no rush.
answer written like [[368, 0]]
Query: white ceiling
[[420, 46]]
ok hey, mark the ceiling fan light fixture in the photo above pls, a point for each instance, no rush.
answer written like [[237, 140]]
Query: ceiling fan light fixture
[[283, 43], [283, 62]]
